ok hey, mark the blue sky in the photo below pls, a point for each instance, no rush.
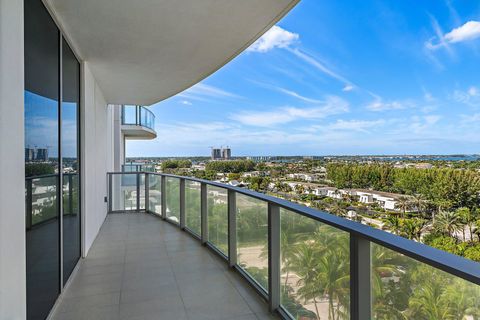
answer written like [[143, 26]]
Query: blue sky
[[336, 78]]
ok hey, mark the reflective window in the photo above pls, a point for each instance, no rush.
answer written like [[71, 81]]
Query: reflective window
[[47, 122], [41, 159], [70, 163]]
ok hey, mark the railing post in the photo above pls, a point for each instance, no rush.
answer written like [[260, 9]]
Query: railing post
[[163, 196], [138, 192], [147, 192], [273, 256], [360, 278], [70, 193], [232, 228], [136, 116], [204, 212], [29, 204], [110, 194], [182, 203]]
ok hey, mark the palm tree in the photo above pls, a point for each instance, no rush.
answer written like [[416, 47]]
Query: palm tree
[[333, 277], [463, 299], [420, 203], [447, 222], [287, 243], [337, 209], [304, 265], [428, 302], [467, 218], [413, 228], [385, 264], [403, 203], [442, 205], [394, 224]]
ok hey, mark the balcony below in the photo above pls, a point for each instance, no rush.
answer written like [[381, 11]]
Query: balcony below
[[138, 123], [141, 267]]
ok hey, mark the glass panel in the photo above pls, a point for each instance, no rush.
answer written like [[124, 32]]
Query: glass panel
[[403, 288], [217, 206], [43, 199], [155, 194], [315, 268], [71, 188], [142, 191], [252, 238], [124, 192], [41, 158], [129, 114], [192, 206], [172, 190], [144, 116]]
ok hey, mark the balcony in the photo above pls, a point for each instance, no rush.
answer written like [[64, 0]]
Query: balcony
[[142, 268], [138, 123], [243, 253]]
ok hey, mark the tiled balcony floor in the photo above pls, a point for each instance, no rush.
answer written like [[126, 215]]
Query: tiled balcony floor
[[141, 267]]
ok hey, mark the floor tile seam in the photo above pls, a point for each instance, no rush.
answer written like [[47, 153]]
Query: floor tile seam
[[123, 270], [175, 277]]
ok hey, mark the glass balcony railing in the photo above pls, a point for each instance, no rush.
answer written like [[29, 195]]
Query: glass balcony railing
[[41, 194], [136, 167], [138, 116], [306, 263]]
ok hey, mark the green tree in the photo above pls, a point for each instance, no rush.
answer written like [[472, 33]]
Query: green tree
[[447, 222]]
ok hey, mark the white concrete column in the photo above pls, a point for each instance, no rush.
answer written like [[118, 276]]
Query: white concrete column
[[12, 167], [96, 148], [118, 144]]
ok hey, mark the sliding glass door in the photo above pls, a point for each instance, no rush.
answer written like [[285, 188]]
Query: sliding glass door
[[52, 184], [70, 161]]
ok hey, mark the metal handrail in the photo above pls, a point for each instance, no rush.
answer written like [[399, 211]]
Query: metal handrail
[[451, 263], [361, 236]]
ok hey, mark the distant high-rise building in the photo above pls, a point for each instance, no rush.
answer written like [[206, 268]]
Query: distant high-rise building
[[36, 154], [226, 153], [41, 154], [221, 153], [29, 154], [216, 153]]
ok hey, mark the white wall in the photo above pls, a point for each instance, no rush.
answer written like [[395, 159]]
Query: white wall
[[97, 155], [12, 172]]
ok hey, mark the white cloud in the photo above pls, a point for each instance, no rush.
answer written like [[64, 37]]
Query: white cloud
[[470, 97], [420, 124], [469, 119], [186, 102], [332, 105], [298, 96], [468, 31], [204, 92], [380, 105], [355, 125], [276, 37], [348, 85], [473, 91]]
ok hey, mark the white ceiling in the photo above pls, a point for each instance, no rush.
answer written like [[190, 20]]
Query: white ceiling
[[144, 51]]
